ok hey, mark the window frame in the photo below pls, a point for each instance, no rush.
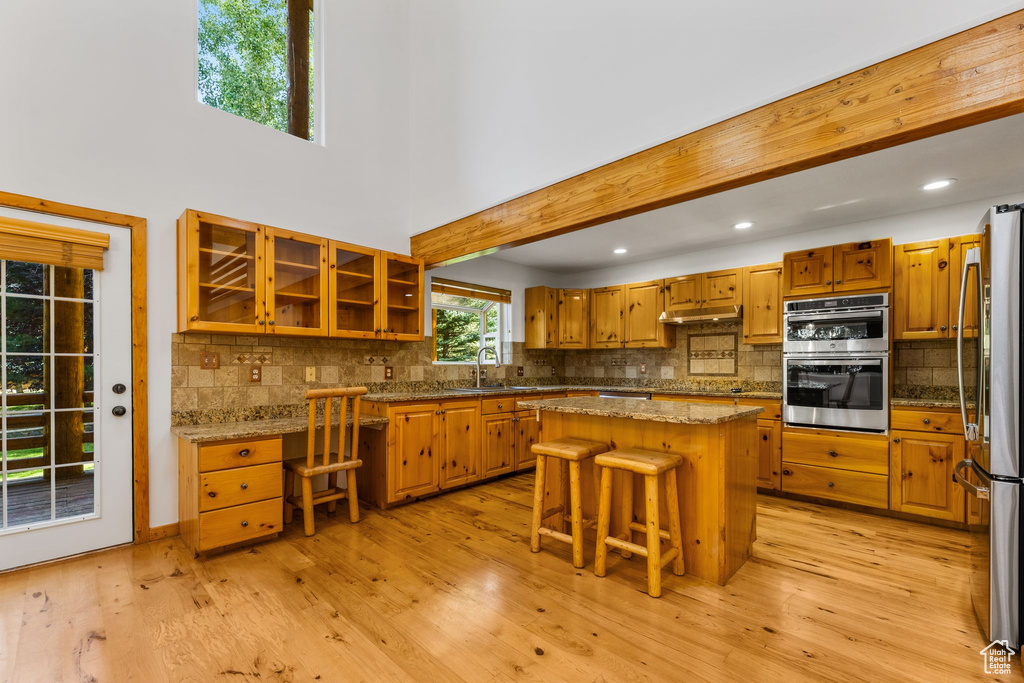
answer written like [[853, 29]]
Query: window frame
[[501, 336]]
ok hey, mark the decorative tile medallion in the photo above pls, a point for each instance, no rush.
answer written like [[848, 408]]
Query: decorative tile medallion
[[712, 354]]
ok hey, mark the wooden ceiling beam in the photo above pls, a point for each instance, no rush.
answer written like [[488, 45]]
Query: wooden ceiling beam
[[966, 79]]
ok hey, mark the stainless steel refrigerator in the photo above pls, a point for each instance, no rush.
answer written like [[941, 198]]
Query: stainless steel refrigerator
[[992, 471]]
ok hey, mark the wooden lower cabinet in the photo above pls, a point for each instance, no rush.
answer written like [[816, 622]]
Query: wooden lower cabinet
[[842, 466], [498, 450], [769, 454], [847, 486], [922, 474], [527, 428], [229, 492], [459, 443], [413, 432]]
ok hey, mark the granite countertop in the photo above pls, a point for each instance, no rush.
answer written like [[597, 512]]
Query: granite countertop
[[400, 396], [927, 403], [226, 431], [653, 411]]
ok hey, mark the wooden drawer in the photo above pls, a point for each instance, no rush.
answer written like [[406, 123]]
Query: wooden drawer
[[575, 394], [860, 453], [772, 408], [240, 523], [227, 454], [239, 486], [924, 420], [834, 484], [502, 404], [534, 397]]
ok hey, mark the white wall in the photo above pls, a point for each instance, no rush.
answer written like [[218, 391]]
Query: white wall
[[948, 221], [99, 109], [512, 96]]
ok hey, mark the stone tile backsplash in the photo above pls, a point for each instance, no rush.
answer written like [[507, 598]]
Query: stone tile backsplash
[[927, 369]]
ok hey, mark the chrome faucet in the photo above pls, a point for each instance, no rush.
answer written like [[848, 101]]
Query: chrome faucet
[[481, 352]]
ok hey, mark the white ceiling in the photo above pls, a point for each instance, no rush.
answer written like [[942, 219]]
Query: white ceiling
[[987, 160]]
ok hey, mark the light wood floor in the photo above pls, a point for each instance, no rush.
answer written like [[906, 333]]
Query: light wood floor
[[447, 590]]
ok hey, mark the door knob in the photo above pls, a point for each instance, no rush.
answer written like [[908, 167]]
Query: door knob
[[119, 388], [119, 411]]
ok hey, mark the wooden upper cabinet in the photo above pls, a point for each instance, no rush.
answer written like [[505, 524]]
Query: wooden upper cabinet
[[922, 474], [297, 283], [958, 247], [722, 288], [541, 318], [644, 303], [607, 318], [573, 318], [762, 304], [221, 275], [806, 273], [354, 291], [921, 290], [862, 265], [401, 297], [683, 293]]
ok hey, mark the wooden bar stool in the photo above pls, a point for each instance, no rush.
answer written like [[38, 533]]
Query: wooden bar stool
[[649, 464], [330, 463], [571, 452]]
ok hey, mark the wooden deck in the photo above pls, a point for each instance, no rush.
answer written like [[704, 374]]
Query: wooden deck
[[447, 589], [29, 501]]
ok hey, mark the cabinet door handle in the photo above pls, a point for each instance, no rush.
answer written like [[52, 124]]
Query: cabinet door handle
[[271, 322], [833, 453], [896, 440], [942, 328], [261, 322], [831, 485], [828, 282]]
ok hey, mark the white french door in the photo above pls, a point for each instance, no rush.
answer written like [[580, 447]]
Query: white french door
[[66, 406]]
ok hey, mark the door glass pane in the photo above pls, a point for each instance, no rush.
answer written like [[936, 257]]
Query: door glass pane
[[296, 284], [26, 325], [25, 278], [403, 297], [28, 497], [357, 291], [844, 385], [72, 382], [227, 274], [26, 382], [72, 327], [74, 491]]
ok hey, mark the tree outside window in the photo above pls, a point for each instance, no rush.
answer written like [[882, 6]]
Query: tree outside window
[[462, 324], [256, 61]]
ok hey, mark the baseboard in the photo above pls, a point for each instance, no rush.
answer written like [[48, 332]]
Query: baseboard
[[158, 533]]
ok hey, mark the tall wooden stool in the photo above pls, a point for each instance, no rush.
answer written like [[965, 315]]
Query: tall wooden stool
[[649, 464], [330, 463], [570, 452]]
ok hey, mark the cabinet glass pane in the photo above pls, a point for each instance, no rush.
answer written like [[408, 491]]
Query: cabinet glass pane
[[296, 283], [227, 274], [403, 297], [356, 291]]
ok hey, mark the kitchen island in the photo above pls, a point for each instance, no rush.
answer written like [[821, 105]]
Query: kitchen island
[[716, 478]]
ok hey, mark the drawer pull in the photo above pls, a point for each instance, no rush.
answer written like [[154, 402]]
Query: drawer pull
[[212, 494], [244, 453], [833, 453], [499, 406], [245, 522], [927, 421], [831, 485], [245, 486]]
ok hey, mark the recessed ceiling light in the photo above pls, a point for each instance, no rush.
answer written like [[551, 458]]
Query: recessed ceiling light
[[938, 184], [620, 250], [743, 225]]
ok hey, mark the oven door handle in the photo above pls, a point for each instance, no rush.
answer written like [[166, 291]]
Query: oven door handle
[[835, 360], [837, 315]]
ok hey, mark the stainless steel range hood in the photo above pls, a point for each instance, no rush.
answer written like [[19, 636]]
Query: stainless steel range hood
[[701, 315]]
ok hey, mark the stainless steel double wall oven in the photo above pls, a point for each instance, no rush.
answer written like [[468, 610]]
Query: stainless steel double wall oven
[[836, 363]]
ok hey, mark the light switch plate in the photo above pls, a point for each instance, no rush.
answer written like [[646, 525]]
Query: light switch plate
[[643, 368], [310, 373], [255, 373], [519, 371], [209, 360], [389, 372]]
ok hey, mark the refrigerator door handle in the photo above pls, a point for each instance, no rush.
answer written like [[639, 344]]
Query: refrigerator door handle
[[972, 260], [980, 492]]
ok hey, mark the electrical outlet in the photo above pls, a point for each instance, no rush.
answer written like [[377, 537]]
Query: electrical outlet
[[389, 372], [255, 373], [643, 368], [519, 371], [209, 360], [310, 373], [552, 370]]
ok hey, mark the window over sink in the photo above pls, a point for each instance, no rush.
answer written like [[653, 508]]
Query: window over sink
[[466, 317]]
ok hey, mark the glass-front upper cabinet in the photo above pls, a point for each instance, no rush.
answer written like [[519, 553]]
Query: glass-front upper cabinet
[[221, 268], [354, 292], [297, 283], [402, 294]]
